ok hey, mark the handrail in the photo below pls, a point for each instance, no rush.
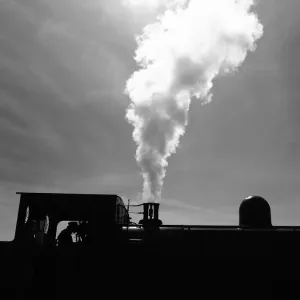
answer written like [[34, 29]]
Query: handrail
[[218, 227]]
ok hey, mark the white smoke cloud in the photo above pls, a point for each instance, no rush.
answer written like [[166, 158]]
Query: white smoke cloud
[[180, 55]]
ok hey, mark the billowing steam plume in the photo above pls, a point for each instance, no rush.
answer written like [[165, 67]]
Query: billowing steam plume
[[180, 55]]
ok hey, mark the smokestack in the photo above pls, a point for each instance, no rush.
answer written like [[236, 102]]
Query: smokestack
[[150, 215]]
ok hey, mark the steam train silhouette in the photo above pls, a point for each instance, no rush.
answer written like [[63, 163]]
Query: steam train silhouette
[[107, 246]]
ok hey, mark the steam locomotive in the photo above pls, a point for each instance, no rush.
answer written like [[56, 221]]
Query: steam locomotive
[[111, 248]]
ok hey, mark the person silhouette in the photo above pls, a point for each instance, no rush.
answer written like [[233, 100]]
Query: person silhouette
[[65, 237]]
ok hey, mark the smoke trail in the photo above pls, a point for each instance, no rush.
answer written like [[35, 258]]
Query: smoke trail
[[180, 55]]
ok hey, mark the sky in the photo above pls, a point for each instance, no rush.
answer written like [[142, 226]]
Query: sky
[[63, 70]]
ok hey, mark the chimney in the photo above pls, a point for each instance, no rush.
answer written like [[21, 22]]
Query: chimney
[[151, 214]]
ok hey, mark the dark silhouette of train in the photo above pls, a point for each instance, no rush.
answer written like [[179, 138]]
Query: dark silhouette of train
[[104, 247]]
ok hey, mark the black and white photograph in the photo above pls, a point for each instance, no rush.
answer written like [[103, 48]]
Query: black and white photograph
[[148, 148]]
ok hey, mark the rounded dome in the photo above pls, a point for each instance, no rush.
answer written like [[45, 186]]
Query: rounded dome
[[255, 212]]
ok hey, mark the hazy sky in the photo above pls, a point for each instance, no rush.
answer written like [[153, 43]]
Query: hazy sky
[[63, 68]]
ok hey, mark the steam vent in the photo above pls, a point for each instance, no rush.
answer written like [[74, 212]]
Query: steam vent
[[255, 212]]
